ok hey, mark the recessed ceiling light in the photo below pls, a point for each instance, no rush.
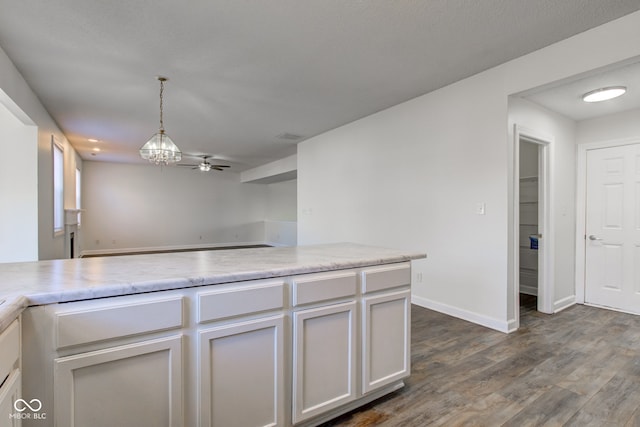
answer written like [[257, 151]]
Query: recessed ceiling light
[[96, 149], [93, 140], [604, 94]]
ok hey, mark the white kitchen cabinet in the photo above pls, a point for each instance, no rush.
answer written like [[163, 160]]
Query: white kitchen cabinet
[[386, 325], [297, 350], [106, 362], [10, 375], [134, 385], [241, 349], [241, 374], [324, 359], [386, 339]]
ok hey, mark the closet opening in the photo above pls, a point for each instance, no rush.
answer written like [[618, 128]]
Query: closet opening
[[529, 231], [534, 234]]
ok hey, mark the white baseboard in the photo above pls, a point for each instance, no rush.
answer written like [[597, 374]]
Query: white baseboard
[[564, 303], [470, 316], [168, 248]]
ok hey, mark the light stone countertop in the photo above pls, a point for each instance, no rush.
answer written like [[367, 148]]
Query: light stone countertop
[[47, 282]]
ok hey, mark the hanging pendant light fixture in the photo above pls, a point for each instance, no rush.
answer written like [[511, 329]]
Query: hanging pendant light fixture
[[160, 149]]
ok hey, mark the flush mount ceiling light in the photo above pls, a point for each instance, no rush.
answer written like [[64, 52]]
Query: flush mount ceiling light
[[160, 149], [604, 94]]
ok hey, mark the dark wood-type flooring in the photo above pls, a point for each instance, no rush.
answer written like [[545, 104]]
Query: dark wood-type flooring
[[579, 367]]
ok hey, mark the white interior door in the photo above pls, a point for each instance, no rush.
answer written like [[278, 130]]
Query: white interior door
[[612, 253]]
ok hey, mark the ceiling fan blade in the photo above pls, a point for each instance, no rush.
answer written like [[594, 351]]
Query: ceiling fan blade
[[182, 164], [220, 166], [217, 168]]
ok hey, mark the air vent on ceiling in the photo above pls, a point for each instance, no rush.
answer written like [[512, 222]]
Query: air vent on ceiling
[[289, 136]]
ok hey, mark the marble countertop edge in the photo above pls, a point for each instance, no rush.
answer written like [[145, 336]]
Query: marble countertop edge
[[10, 309], [121, 289], [66, 285]]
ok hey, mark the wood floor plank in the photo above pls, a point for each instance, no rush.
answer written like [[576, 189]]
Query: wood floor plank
[[634, 421], [588, 378], [552, 408], [579, 367], [493, 410]]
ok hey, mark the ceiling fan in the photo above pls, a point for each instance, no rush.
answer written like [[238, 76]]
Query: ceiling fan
[[205, 165]]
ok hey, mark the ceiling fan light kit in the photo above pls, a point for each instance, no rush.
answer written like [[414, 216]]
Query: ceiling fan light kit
[[160, 149], [205, 165]]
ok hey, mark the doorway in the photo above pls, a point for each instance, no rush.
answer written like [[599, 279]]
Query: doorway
[[530, 235], [534, 234]]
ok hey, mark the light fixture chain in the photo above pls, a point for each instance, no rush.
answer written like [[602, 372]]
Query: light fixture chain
[[161, 93]]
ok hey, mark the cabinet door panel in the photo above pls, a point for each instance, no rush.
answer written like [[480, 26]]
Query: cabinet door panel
[[9, 349], [385, 339], [324, 359], [242, 374], [136, 385], [9, 393]]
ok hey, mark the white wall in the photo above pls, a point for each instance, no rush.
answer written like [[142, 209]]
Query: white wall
[[281, 227], [282, 201], [147, 206], [411, 176], [613, 127], [18, 189], [14, 88]]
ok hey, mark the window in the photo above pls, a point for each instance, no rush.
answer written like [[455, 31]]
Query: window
[[58, 187]]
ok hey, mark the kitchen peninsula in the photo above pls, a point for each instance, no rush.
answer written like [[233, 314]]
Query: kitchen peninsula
[[263, 336]]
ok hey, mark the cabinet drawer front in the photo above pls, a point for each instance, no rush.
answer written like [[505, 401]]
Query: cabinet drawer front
[[220, 304], [107, 322], [323, 287], [9, 349], [392, 276]]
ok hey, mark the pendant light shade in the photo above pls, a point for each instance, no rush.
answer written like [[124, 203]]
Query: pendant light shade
[[160, 149]]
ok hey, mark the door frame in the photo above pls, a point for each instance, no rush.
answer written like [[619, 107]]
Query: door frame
[[545, 224], [581, 207]]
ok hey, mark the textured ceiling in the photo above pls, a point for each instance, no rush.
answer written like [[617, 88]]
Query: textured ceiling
[[243, 72]]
